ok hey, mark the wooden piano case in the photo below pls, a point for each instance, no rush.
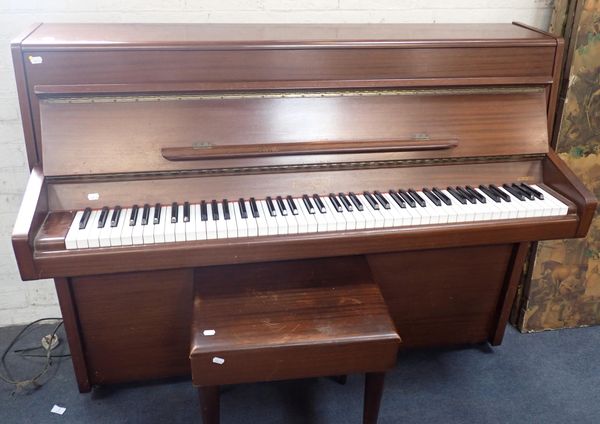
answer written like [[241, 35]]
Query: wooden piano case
[[163, 113]]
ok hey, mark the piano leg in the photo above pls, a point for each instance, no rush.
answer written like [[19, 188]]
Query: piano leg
[[210, 404], [373, 391], [71, 324]]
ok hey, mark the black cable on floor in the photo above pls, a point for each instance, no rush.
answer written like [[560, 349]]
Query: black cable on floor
[[32, 382]]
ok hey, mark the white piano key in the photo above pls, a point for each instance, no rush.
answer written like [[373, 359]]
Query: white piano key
[[137, 234], [282, 225], [94, 234], [290, 219], [522, 211], [169, 226], [437, 214], [159, 229], [83, 235], [374, 218], [262, 224], [312, 225], [301, 218], [558, 207], [272, 224], [211, 225], [190, 226], [232, 225], [221, 223], [180, 225], [401, 216], [199, 225], [388, 216], [241, 224], [340, 222], [115, 232], [148, 229], [104, 235], [71, 237]]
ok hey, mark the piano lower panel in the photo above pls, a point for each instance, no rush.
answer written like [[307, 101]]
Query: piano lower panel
[[135, 326]]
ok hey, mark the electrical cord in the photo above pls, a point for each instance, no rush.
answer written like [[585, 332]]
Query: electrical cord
[[32, 382]]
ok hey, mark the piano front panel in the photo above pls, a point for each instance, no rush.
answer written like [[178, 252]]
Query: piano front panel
[[135, 326], [492, 122], [443, 296]]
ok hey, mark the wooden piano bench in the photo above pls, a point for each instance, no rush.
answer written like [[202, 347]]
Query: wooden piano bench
[[267, 333]]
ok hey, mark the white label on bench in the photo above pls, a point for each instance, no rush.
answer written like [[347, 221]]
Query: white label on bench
[[209, 332], [217, 360]]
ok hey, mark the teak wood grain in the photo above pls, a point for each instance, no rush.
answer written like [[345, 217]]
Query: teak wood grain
[[101, 104]]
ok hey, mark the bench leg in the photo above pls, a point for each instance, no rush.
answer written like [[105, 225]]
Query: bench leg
[[373, 392], [209, 404]]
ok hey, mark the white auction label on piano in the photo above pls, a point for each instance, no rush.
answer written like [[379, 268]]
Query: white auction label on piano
[[93, 196], [209, 332], [217, 360]]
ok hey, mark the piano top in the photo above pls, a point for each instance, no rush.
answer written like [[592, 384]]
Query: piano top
[[268, 36]]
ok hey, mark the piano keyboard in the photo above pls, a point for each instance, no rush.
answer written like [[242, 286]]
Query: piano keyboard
[[281, 215]]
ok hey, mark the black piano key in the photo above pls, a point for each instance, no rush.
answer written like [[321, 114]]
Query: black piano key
[[103, 217], [308, 204], [345, 202], [514, 192], [271, 206], [475, 193], [242, 206], [382, 200], [397, 199], [440, 195], [254, 208], [417, 198], [186, 211], [174, 212], [215, 210], [226, 211], [462, 199], [490, 193], [203, 211], [336, 204], [85, 218], [432, 197], [114, 219], [356, 201], [533, 191], [406, 197], [470, 198], [292, 205], [371, 200], [500, 193], [134, 215], [157, 210], [525, 193], [146, 214], [281, 206], [319, 203]]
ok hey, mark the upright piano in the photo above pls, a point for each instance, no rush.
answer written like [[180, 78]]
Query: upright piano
[[168, 156]]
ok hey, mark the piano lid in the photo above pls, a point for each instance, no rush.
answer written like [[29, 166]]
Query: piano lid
[[232, 36], [136, 134]]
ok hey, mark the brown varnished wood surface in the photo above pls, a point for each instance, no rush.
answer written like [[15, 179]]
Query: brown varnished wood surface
[[77, 141], [135, 326], [269, 35], [274, 248], [68, 310], [443, 296], [24, 104], [125, 190], [32, 213], [286, 320], [513, 274], [565, 182]]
